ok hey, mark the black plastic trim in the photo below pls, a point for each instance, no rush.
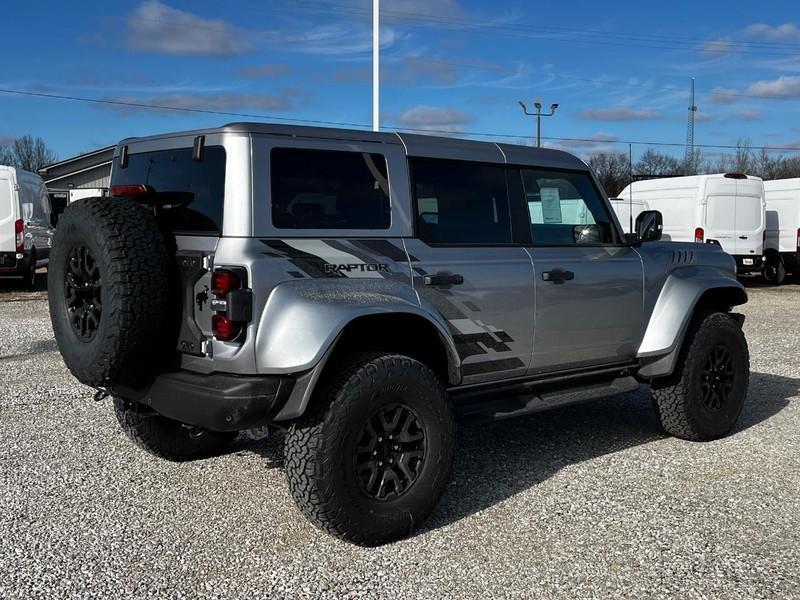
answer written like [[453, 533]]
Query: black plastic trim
[[216, 401]]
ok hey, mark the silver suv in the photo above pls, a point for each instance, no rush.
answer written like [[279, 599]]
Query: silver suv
[[362, 291]]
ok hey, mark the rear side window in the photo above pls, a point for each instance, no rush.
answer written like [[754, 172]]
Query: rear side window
[[194, 190], [564, 208], [329, 189], [461, 203]]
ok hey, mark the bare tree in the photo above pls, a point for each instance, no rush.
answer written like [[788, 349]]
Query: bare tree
[[7, 157], [655, 164], [32, 153], [613, 171]]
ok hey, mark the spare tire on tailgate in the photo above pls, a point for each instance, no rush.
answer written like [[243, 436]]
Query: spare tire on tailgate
[[110, 292]]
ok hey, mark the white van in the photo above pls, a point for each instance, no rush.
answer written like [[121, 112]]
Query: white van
[[782, 252], [627, 210], [728, 209], [26, 230]]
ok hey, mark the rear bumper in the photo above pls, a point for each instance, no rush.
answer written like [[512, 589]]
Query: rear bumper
[[757, 262], [217, 401], [10, 265]]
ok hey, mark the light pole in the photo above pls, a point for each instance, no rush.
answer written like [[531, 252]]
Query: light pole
[[376, 79], [538, 114]]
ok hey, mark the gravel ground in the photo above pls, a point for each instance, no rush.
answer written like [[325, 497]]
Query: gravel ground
[[584, 501]]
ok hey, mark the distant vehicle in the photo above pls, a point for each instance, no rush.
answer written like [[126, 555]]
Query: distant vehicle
[[26, 224], [727, 209], [782, 251], [77, 194], [627, 210]]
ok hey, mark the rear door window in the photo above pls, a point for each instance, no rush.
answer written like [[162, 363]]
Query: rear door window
[[329, 189], [564, 208], [194, 190], [460, 202]]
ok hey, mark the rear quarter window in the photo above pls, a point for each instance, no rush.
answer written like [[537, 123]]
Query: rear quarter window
[[194, 190], [329, 189]]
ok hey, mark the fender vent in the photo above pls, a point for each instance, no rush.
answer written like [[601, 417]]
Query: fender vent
[[682, 257]]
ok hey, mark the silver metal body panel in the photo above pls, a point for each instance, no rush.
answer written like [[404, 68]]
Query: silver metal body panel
[[503, 321]]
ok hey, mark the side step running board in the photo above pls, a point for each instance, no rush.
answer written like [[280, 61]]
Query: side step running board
[[506, 407]]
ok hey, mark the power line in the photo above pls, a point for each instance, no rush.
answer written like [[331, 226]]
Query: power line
[[398, 127]]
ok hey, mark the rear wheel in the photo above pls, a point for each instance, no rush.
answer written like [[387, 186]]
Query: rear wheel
[[369, 463], [703, 398], [30, 275], [166, 438], [774, 271]]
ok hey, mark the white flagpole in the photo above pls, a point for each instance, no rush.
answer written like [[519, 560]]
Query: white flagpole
[[376, 42]]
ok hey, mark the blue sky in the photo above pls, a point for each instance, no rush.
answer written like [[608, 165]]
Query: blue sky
[[620, 71]]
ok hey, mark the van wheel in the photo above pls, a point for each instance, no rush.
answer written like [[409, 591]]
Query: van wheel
[[774, 271], [30, 276], [703, 398], [369, 462], [166, 438]]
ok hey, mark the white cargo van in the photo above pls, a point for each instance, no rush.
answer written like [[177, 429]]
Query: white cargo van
[[26, 230], [627, 210], [782, 252], [728, 209]]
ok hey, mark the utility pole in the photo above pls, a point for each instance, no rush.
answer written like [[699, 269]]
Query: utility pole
[[538, 114], [376, 72], [689, 157]]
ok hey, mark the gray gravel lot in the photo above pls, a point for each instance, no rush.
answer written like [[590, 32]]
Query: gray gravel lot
[[584, 501]]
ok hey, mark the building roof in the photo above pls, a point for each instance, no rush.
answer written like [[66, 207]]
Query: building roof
[[77, 164]]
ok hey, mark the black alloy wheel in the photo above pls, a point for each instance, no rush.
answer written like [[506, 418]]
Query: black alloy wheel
[[717, 378], [390, 452], [83, 292]]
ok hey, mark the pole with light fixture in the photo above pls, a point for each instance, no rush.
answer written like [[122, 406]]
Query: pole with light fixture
[[538, 114], [376, 79]]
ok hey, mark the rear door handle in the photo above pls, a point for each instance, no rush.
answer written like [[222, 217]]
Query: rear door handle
[[443, 279], [558, 275]]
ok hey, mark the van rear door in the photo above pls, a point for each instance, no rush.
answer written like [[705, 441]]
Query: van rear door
[[8, 214], [749, 217], [721, 221]]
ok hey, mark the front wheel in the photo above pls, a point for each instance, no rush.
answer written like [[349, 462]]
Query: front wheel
[[774, 271], [370, 461], [703, 398]]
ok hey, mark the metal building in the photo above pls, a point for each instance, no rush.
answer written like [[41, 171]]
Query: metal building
[[90, 170]]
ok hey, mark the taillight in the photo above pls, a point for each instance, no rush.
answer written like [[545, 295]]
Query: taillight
[[699, 235], [224, 281], [798, 239], [224, 329], [233, 305], [19, 235], [134, 189]]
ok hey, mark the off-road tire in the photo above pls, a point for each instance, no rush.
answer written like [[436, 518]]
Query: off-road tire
[[166, 438], [136, 332], [320, 465], [679, 399]]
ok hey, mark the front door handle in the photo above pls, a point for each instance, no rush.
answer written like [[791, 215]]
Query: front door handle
[[742, 237], [558, 275], [443, 279]]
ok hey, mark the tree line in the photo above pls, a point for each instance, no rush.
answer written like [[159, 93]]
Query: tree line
[[27, 153], [614, 169]]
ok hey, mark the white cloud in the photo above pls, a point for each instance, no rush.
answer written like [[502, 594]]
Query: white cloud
[[415, 8], [156, 27], [718, 46], [227, 101], [266, 71], [782, 87], [723, 95], [787, 31], [428, 117], [619, 113]]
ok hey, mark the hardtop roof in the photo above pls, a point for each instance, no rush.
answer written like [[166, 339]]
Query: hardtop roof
[[433, 146]]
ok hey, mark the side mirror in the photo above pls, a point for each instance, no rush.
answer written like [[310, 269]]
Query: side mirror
[[649, 225]]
